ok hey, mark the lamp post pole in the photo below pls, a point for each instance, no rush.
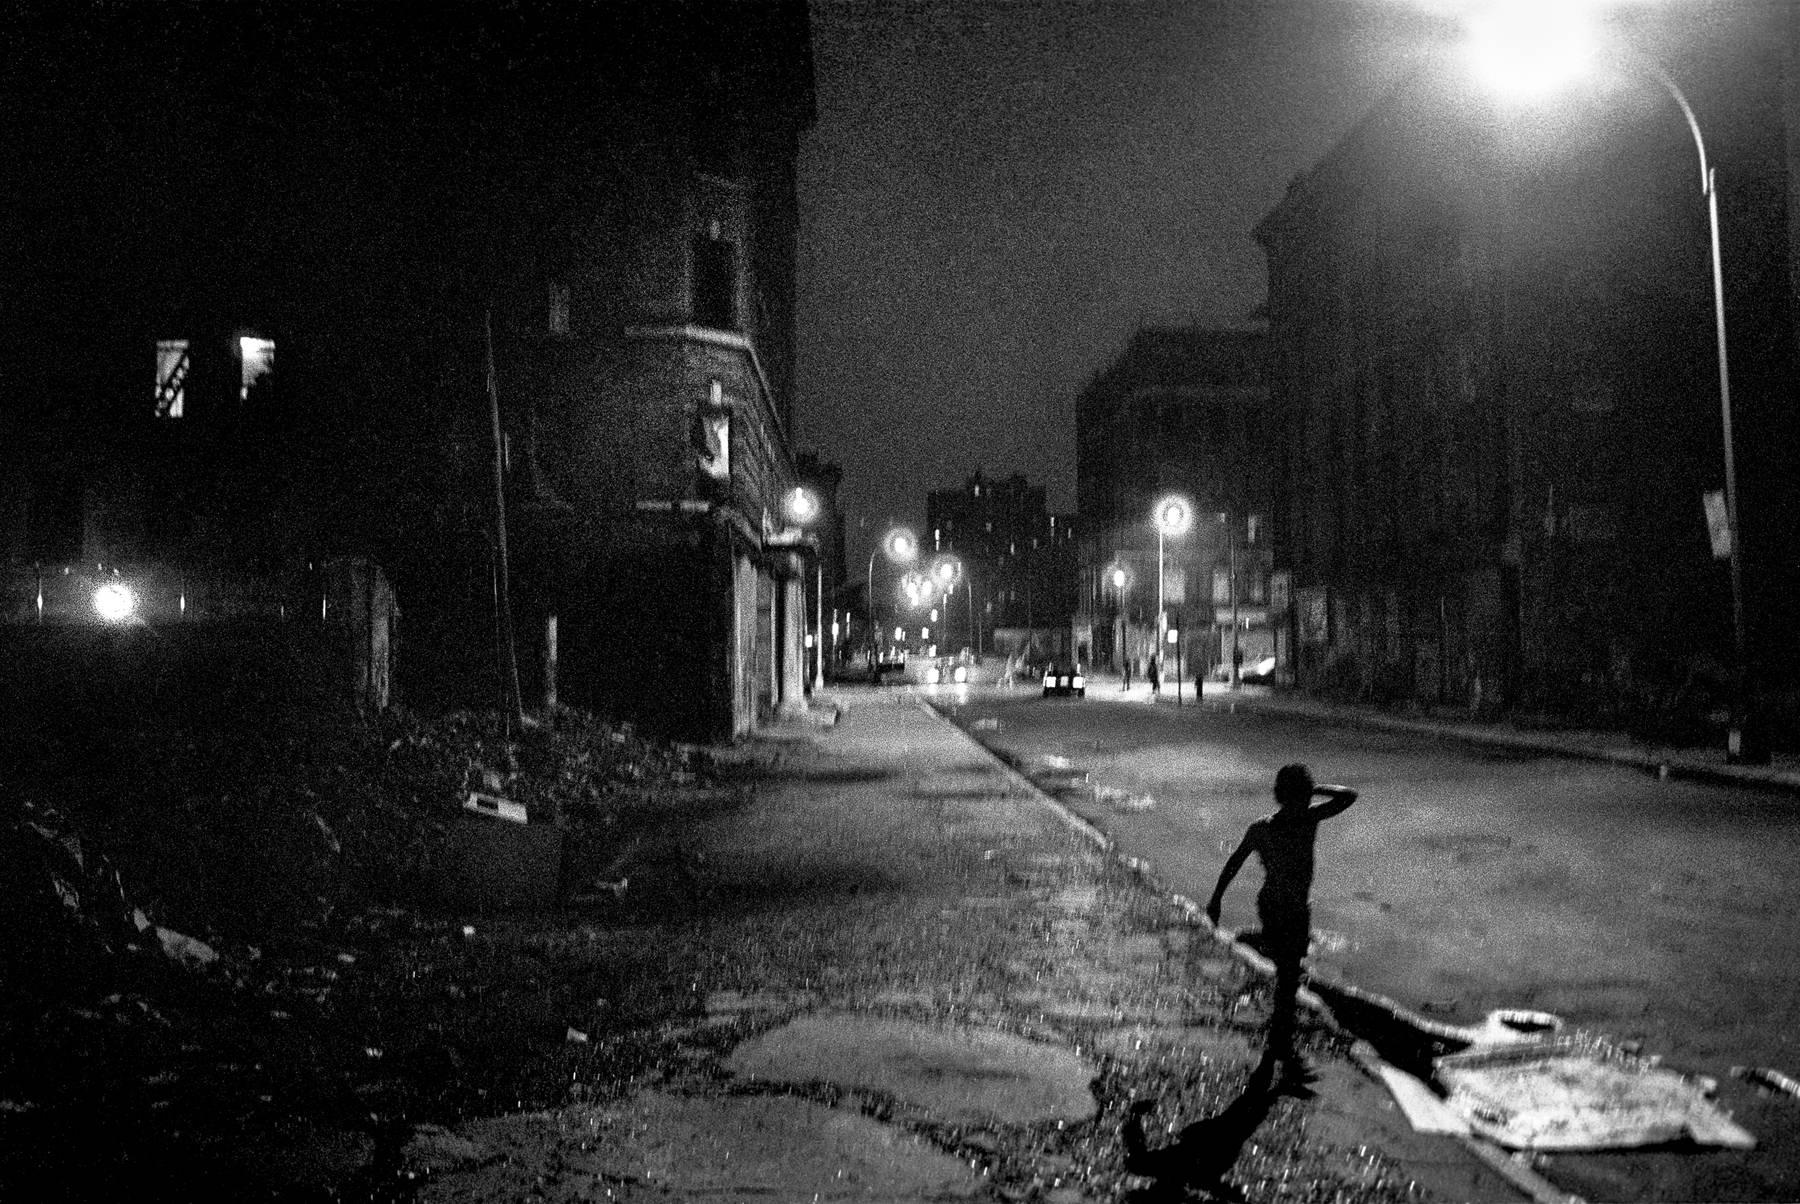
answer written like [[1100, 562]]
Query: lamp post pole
[[1709, 187], [1162, 618], [1499, 43], [1173, 516], [869, 597], [818, 618], [1232, 569]]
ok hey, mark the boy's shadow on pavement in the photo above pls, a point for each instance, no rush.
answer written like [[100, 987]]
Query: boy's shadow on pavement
[[1201, 1154]]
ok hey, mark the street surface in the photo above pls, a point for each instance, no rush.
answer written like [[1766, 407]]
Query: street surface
[[1466, 879]]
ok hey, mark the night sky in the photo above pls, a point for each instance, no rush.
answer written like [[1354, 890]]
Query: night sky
[[998, 192]]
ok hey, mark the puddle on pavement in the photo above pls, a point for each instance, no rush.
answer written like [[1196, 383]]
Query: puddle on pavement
[[951, 1071], [742, 1147]]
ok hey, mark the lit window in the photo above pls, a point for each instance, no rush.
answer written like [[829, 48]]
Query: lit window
[[171, 377], [258, 359]]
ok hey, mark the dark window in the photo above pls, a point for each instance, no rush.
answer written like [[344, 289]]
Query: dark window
[[715, 283]]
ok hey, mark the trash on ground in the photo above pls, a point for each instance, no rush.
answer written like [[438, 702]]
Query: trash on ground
[[1769, 1077], [185, 949], [1570, 1094], [1423, 1110], [601, 891], [493, 804]]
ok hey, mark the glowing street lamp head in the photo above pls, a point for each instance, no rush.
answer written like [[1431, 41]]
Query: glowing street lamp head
[[1173, 516], [900, 544], [801, 505], [1119, 577], [114, 602], [946, 571], [1526, 50]]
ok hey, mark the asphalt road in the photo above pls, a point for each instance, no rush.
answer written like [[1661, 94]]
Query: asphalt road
[[1465, 880]]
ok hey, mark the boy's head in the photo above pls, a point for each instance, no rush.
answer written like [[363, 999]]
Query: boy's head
[[1293, 785]]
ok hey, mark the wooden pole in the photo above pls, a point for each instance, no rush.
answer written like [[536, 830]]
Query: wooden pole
[[514, 709]]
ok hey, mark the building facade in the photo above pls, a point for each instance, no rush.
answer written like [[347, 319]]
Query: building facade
[[514, 290], [1498, 392], [1182, 411], [1018, 565]]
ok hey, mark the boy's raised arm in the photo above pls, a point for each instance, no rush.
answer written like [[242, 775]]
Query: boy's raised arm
[[1337, 801]]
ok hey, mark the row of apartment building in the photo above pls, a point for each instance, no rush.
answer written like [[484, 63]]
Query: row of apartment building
[[1480, 439], [512, 287], [1494, 365]]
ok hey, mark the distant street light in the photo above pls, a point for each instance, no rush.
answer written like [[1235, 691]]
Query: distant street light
[[1118, 578], [1527, 50], [803, 508], [946, 572], [900, 546], [1172, 518]]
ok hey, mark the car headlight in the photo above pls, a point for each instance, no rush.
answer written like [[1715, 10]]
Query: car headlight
[[114, 602], [962, 673], [1080, 682], [932, 676]]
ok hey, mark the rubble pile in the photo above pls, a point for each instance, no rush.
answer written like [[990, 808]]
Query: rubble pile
[[246, 835]]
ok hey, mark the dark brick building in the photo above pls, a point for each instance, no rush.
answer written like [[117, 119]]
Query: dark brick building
[[1495, 375], [1018, 564], [275, 268], [1181, 411]]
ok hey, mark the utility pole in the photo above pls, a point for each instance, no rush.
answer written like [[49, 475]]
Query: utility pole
[[515, 707]]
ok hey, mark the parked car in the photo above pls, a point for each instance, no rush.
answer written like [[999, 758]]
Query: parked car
[[1062, 680], [947, 670], [1253, 672]]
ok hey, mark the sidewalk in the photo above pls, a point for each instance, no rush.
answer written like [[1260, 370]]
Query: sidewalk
[[915, 977], [1782, 773]]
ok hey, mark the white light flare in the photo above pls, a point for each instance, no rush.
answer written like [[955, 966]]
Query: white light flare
[[1527, 50], [114, 602]]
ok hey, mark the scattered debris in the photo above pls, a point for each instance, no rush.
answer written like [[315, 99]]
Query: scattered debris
[[1124, 801], [500, 808], [1768, 1077], [1576, 1094], [185, 949]]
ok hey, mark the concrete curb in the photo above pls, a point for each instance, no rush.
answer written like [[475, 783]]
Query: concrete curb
[[1514, 1170], [1671, 763]]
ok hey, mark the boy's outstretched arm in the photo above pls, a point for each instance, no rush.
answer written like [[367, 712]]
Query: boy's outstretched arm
[[1233, 863], [1337, 801]]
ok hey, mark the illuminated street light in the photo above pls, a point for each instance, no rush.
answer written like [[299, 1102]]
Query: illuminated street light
[[946, 573], [1173, 516], [900, 546], [1525, 49], [803, 508], [114, 602]]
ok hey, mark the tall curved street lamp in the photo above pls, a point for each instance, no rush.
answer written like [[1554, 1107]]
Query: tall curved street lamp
[[900, 546], [946, 572], [803, 508], [1530, 59], [1118, 578], [1172, 517]]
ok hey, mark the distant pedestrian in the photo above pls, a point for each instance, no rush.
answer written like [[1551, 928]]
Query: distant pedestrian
[[1155, 674], [1127, 663], [1284, 843]]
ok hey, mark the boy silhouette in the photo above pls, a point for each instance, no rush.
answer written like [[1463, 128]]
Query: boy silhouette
[[1284, 843]]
